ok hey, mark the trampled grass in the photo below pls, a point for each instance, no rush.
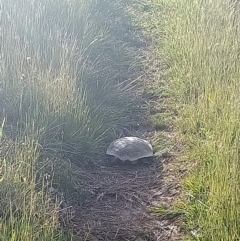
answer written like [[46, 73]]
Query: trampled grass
[[200, 42], [63, 66]]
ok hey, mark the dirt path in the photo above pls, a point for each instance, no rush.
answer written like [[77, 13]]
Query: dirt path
[[117, 201], [117, 208]]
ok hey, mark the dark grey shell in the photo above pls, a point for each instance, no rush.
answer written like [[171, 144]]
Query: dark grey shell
[[130, 148]]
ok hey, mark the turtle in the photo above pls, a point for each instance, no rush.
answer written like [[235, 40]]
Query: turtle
[[130, 149]]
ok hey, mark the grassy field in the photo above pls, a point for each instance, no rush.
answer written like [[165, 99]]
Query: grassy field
[[64, 89], [199, 40], [63, 68]]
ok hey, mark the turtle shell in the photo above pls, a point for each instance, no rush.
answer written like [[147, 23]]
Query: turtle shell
[[130, 148]]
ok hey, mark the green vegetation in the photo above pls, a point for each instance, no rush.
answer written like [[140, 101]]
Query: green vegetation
[[64, 87], [60, 72], [63, 68], [164, 211], [200, 42]]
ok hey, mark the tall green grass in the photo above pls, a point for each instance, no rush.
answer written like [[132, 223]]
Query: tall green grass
[[64, 80], [200, 42], [26, 210], [61, 71]]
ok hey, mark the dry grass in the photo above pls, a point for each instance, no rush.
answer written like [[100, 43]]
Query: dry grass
[[116, 203]]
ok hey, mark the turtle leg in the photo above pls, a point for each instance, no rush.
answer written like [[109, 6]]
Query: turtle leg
[[148, 160], [112, 159], [134, 162], [115, 159]]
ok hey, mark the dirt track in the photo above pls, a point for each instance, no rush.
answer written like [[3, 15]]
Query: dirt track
[[117, 200], [118, 203]]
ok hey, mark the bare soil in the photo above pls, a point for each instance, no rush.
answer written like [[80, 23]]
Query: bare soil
[[118, 203]]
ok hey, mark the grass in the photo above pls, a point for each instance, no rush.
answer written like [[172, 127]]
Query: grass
[[72, 55], [199, 41], [161, 121], [27, 212], [64, 88], [165, 211]]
